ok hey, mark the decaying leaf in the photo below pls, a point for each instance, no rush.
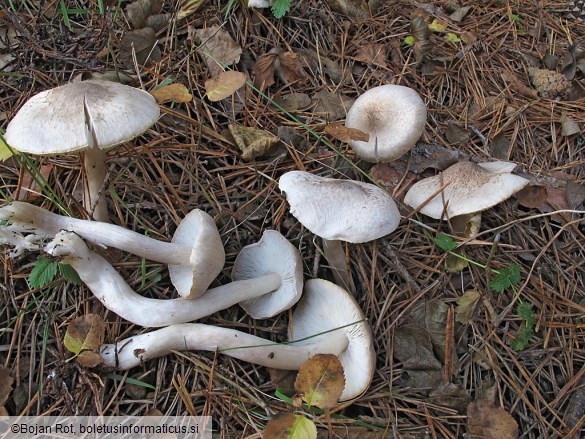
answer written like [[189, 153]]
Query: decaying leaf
[[501, 147], [575, 194], [293, 101], [224, 85], [188, 7], [455, 134], [486, 421], [321, 381], [6, 381], [217, 48], [466, 306], [569, 126], [288, 67], [519, 86], [345, 134], [331, 106], [315, 61], [264, 70], [175, 92], [141, 42], [532, 196], [421, 43], [372, 54], [89, 359], [290, 426], [29, 189], [85, 333], [139, 11], [460, 13], [351, 8], [424, 156], [450, 395], [252, 141]]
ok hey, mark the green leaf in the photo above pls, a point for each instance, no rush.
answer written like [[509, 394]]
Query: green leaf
[[506, 278], [69, 274], [452, 37], [409, 40], [445, 242], [525, 311], [280, 8], [43, 273]]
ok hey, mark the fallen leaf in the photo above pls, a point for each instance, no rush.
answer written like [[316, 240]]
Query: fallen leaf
[[175, 92], [421, 43], [372, 54], [454, 38], [575, 194], [460, 13], [351, 8], [289, 426], [315, 61], [424, 156], [224, 85], [29, 189], [84, 333], [486, 421], [282, 379], [252, 141], [450, 395], [321, 381], [217, 48], [569, 126], [466, 306], [500, 147], [139, 11], [532, 196], [455, 134], [89, 359], [345, 134], [518, 86], [438, 25], [264, 70], [6, 382], [331, 106], [188, 7], [141, 42], [288, 68], [293, 101]]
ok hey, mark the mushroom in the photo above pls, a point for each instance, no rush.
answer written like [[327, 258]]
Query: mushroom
[[339, 210], [195, 255], [465, 188], [116, 295], [85, 117], [393, 115], [326, 320]]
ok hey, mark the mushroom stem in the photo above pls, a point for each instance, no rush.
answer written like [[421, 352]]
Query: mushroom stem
[[94, 201], [335, 255], [116, 295], [132, 351], [103, 234]]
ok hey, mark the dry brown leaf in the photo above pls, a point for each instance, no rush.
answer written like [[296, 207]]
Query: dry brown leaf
[[252, 141], [486, 421], [424, 156], [89, 359], [6, 382], [345, 134], [171, 93], [331, 106], [569, 126], [217, 48], [264, 70], [321, 381], [351, 8], [518, 86], [289, 426], [455, 134], [460, 13], [293, 101], [84, 333], [29, 189], [501, 147], [450, 395], [288, 68], [143, 43], [372, 54], [466, 306], [314, 61], [575, 194], [139, 11], [224, 85], [188, 7], [532, 196]]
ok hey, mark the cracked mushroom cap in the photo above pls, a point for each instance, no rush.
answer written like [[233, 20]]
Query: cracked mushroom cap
[[393, 115], [272, 254], [54, 121], [326, 306], [335, 209], [198, 231], [468, 187]]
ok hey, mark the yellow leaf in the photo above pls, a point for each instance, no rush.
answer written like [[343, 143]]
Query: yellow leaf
[[224, 85], [453, 37], [171, 93], [321, 381], [5, 151], [252, 141], [466, 306], [438, 26], [84, 333], [187, 7], [290, 426]]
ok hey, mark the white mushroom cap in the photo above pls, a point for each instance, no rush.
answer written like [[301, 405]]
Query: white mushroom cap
[[272, 254], [199, 232], [335, 209], [326, 306], [54, 121], [393, 115], [468, 187]]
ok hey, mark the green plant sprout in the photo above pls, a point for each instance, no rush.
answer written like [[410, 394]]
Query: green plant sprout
[[507, 277], [44, 273]]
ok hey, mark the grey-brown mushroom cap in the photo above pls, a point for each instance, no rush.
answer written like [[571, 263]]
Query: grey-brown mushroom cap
[[272, 254], [54, 121], [336, 209], [393, 115], [326, 306], [198, 231], [469, 188]]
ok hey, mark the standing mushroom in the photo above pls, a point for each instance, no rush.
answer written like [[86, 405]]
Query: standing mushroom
[[195, 255], [83, 117], [393, 115], [326, 320], [276, 272], [339, 210]]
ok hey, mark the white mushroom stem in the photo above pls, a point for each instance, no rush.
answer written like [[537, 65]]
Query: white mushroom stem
[[116, 295], [335, 255], [94, 201], [132, 351], [42, 221]]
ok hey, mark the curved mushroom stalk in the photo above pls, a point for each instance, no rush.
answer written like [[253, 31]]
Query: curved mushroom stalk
[[195, 255], [132, 351], [116, 295]]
